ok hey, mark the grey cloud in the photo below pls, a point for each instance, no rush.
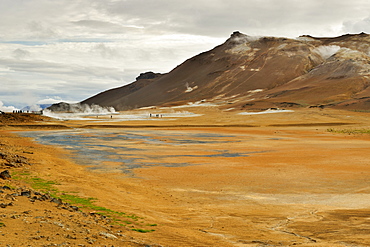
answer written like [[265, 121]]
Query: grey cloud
[[107, 52], [214, 18], [220, 18], [95, 24], [41, 31], [357, 26], [105, 27], [41, 78], [44, 67], [20, 53]]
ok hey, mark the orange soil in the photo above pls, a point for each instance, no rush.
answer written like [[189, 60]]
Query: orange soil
[[303, 186]]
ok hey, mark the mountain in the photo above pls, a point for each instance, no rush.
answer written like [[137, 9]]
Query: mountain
[[257, 73]]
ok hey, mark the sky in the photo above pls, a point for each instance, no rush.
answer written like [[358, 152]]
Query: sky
[[69, 50]]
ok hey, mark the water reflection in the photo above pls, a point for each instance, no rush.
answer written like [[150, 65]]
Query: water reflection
[[132, 149]]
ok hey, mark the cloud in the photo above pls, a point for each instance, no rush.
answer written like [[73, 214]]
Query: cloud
[[119, 19], [218, 18], [357, 26], [106, 27], [41, 31], [7, 108], [106, 51], [20, 53], [50, 100], [59, 70], [73, 82]]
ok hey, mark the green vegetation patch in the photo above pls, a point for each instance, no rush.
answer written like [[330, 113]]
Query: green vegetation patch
[[2, 224], [142, 230], [117, 217], [72, 199], [151, 224], [36, 183], [349, 131], [43, 185]]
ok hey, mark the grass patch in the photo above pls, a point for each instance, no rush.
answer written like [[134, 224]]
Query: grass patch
[[361, 110], [2, 224], [36, 183], [151, 224], [72, 199], [43, 185], [22, 173], [117, 217], [141, 230], [349, 131]]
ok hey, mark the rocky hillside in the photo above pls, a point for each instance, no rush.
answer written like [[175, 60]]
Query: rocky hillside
[[259, 72]]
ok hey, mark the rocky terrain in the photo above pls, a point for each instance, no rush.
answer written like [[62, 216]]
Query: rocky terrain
[[257, 73], [32, 211]]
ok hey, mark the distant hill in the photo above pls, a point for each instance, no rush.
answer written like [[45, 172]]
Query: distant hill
[[259, 72]]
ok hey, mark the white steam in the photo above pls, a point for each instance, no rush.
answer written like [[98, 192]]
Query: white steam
[[34, 108], [78, 111], [90, 109], [326, 51]]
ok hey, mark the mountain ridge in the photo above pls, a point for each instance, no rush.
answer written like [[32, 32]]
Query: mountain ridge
[[248, 72]]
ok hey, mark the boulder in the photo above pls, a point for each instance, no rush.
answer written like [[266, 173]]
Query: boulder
[[5, 175]]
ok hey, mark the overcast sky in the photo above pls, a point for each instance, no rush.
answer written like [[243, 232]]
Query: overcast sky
[[68, 50]]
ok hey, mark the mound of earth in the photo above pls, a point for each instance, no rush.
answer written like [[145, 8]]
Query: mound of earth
[[19, 118]]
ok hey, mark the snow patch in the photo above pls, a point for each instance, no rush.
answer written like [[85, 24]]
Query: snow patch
[[326, 51], [305, 38], [147, 107], [243, 48], [193, 104], [255, 90], [282, 46], [265, 112], [190, 89]]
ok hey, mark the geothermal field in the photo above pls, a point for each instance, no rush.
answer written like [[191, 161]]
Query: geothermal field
[[188, 176]]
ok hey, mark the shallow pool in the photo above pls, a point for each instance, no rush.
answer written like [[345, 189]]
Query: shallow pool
[[126, 150]]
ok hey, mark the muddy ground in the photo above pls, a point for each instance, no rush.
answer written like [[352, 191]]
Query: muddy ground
[[304, 182]]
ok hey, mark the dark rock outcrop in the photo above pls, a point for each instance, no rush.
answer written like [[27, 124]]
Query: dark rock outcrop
[[5, 175], [148, 75]]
